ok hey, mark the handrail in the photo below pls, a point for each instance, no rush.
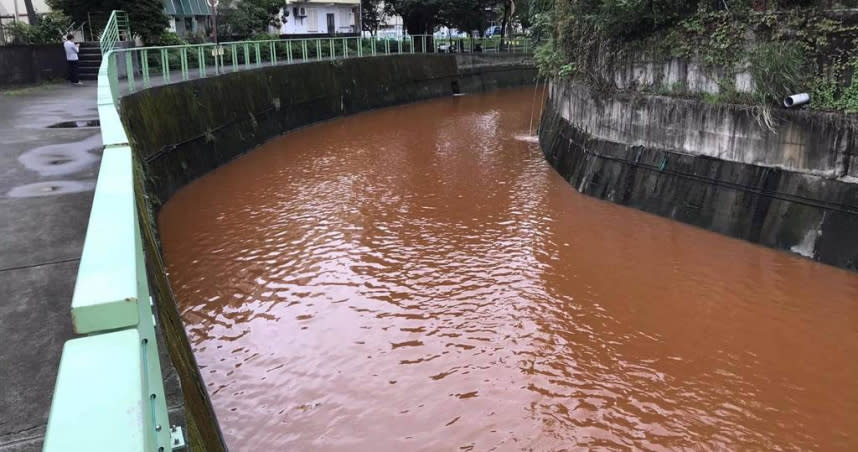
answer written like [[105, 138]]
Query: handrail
[[123, 405], [139, 67], [117, 29]]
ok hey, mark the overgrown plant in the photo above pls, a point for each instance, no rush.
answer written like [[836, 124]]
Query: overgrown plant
[[52, 27], [778, 70]]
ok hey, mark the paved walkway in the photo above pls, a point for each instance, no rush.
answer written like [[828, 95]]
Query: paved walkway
[[46, 181]]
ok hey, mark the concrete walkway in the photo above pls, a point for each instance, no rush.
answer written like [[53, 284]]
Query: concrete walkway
[[47, 177]]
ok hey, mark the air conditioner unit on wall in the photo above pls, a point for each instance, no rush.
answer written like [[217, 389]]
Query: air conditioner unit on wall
[[302, 12]]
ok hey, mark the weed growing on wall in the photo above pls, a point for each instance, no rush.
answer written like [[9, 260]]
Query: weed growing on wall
[[794, 49]]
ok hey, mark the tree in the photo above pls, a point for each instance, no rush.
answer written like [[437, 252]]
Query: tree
[[31, 12], [467, 15], [371, 15], [245, 18], [419, 16], [146, 17]]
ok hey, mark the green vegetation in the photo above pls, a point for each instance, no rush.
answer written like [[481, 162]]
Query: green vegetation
[[797, 45], [146, 16], [246, 18], [51, 28]]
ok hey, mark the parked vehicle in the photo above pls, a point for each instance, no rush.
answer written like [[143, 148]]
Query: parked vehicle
[[494, 30]]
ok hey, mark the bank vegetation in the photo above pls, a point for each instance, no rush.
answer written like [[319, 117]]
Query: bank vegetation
[[787, 46]]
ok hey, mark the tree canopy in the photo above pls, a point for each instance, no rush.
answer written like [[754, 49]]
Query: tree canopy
[[245, 18], [146, 16]]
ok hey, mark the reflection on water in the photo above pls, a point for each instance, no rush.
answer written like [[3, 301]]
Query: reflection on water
[[417, 278]]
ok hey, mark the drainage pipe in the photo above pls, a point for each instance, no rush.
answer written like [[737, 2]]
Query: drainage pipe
[[796, 100]]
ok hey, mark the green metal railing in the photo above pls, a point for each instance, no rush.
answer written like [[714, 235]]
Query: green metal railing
[[139, 68], [118, 28], [109, 393]]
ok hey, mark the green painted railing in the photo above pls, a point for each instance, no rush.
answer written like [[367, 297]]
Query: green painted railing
[[109, 393], [139, 68], [117, 29]]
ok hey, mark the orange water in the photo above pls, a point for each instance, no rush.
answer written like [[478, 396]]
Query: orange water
[[417, 278]]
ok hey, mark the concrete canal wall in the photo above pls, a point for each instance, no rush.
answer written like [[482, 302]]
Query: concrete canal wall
[[184, 130], [791, 186]]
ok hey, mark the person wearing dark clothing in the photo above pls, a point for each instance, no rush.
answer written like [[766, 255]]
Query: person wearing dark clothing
[[72, 51]]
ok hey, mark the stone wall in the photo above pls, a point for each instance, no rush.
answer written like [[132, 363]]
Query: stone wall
[[713, 167], [25, 64]]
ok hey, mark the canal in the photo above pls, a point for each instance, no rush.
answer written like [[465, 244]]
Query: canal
[[419, 278]]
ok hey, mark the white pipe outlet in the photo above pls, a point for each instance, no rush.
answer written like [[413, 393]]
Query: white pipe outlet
[[796, 100]]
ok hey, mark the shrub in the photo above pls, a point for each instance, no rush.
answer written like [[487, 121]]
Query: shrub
[[778, 70], [52, 28]]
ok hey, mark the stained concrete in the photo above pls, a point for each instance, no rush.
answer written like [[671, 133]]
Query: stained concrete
[[790, 197], [810, 142]]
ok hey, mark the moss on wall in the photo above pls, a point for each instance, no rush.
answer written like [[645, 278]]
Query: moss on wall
[[184, 130]]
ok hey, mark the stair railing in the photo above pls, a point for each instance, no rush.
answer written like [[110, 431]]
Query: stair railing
[[117, 29]]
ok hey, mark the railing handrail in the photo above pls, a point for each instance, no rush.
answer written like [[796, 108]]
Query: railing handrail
[[138, 65], [116, 28]]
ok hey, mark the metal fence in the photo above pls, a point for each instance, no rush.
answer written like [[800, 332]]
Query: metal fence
[[138, 68]]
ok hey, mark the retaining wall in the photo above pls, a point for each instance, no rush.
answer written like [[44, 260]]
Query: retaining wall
[[184, 130], [25, 64], [713, 167]]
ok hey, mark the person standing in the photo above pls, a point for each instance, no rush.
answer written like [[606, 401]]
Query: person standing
[[72, 51]]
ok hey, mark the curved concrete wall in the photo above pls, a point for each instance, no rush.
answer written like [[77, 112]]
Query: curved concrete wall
[[184, 130], [816, 143], [712, 166]]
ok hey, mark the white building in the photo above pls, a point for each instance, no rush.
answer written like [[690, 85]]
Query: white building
[[320, 17], [14, 10]]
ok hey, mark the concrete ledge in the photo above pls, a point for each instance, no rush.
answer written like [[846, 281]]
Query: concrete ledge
[[800, 212]]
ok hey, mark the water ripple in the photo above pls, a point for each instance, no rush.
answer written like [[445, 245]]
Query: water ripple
[[418, 278]]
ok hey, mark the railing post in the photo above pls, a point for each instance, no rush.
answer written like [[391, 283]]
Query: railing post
[[246, 56], [258, 54], [272, 47], [129, 71], [319, 49], [289, 51], [345, 48], [201, 61], [234, 50], [165, 66], [184, 58], [304, 50], [144, 63]]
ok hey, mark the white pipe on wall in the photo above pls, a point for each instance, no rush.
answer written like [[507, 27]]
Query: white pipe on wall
[[796, 100]]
